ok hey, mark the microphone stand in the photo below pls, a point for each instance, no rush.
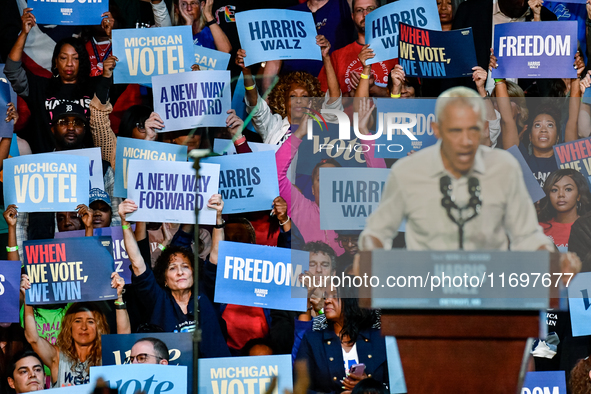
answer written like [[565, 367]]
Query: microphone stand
[[474, 203]]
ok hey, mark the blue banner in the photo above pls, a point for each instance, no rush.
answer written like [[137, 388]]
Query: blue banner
[[117, 347], [349, 195], [436, 54], [149, 378], [13, 95], [210, 59], [277, 35], [248, 182], [169, 191], [196, 99], [70, 12], [533, 187], [95, 165], [226, 147], [246, 375], [121, 259], [579, 291], [46, 182], [144, 53], [69, 270], [131, 148], [261, 276], [544, 50], [397, 112], [544, 382], [10, 283], [381, 25], [6, 128], [576, 155]]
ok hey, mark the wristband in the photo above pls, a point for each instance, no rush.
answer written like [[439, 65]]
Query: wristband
[[364, 76], [395, 95], [497, 80], [240, 141], [12, 248], [287, 221], [120, 305], [249, 87], [321, 312], [211, 22], [218, 226], [126, 226], [161, 247]]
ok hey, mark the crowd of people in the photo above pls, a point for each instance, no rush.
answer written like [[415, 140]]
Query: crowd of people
[[63, 77]]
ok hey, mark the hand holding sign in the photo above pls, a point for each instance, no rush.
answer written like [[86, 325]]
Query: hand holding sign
[[216, 202], [234, 124], [153, 125], [28, 20], [109, 65], [11, 113], [10, 215], [107, 23]]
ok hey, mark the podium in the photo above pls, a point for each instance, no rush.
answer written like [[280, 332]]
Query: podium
[[467, 340]]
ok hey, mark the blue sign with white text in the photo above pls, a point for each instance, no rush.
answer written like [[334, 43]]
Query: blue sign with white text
[[400, 115], [131, 148], [71, 12], [261, 276], [46, 182], [579, 301], [249, 375], [6, 128], [248, 182], [544, 50], [277, 35], [210, 59], [10, 283], [69, 270], [147, 378], [544, 382], [382, 29], [144, 53]]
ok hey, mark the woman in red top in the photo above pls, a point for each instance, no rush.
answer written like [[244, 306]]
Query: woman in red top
[[567, 198]]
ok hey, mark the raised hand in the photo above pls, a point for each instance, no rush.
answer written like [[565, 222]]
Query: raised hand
[[153, 123]]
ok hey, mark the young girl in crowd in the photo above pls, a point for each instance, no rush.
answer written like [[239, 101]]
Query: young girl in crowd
[[567, 198]]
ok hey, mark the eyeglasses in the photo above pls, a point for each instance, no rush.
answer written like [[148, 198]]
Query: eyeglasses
[[141, 126], [73, 123], [342, 241], [193, 4], [364, 10], [141, 358]]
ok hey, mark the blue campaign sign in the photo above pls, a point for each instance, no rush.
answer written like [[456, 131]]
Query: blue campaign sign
[[349, 195], [69, 270], [169, 191], [197, 99], [149, 378], [116, 348], [226, 147], [131, 148], [381, 25], [579, 290], [277, 35], [80, 389], [144, 53], [261, 276], [400, 112], [46, 182], [210, 59], [544, 382], [10, 283], [576, 155], [436, 54], [13, 95], [248, 182], [5, 127], [121, 259], [248, 375], [545, 50], [95, 164], [533, 187], [70, 12]]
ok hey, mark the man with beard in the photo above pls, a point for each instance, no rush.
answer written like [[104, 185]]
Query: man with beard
[[346, 62], [27, 372]]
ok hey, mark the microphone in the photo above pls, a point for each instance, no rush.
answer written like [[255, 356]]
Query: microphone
[[447, 202], [474, 190], [445, 187]]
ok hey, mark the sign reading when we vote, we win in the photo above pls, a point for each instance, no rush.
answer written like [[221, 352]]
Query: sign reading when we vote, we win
[[46, 182], [277, 35], [143, 53], [169, 191], [196, 99]]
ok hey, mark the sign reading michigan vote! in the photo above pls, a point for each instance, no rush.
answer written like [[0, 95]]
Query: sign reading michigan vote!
[[131, 148], [382, 29], [69, 12], [277, 35], [261, 276], [69, 270], [46, 182], [143, 53], [197, 99], [541, 50]]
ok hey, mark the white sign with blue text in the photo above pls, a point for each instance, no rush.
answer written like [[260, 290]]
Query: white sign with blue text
[[261, 276], [169, 192], [197, 99], [148, 378], [277, 35]]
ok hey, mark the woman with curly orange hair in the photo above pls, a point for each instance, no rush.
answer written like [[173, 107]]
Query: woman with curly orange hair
[[78, 345], [288, 99]]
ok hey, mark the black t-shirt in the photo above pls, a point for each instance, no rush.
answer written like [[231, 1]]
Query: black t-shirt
[[541, 167]]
